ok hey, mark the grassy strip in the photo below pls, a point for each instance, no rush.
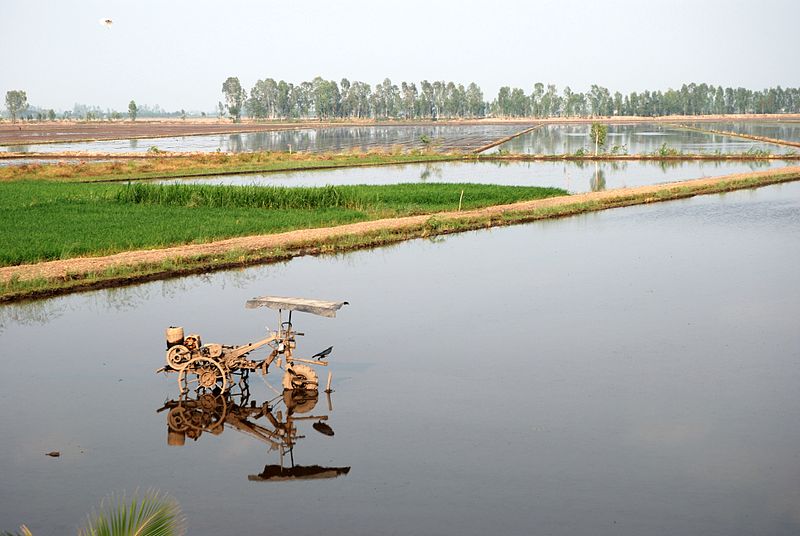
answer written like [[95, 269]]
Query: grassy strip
[[218, 164], [16, 290], [198, 165], [52, 220]]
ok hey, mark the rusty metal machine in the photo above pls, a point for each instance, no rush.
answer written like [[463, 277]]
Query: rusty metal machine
[[209, 368]]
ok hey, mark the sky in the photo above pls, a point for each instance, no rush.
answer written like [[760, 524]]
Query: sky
[[177, 53]]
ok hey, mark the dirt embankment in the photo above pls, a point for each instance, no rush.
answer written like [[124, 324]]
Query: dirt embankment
[[301, 240], [73, 131]]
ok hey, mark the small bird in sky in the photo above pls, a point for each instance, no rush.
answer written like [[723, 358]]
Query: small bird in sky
[[107, 22]]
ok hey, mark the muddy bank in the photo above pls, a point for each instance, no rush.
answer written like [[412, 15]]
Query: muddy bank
[[63, 276]]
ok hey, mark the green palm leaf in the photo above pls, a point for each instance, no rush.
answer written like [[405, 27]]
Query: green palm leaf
[[152, 514]]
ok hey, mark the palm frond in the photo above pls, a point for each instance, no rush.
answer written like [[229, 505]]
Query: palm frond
[[23, 531], [152, 514]]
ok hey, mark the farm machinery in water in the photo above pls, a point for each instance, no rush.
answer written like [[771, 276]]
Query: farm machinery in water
[[194, 414], [211, 367]]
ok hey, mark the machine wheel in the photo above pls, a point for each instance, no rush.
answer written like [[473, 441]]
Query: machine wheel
[[201, 373], [192, 342], [178, 356], [178, 419], [300, 401], [300, 377]]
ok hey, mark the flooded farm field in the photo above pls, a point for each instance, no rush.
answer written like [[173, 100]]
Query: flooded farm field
[[637, 138], [787, 131], [632, 371], [336, 139], [573, 176], [43, 161]]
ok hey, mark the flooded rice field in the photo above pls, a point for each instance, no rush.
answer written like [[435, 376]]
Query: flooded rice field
[[779, 130], [627, 372], [637, 138], [45, 161], [336, 139], [573, 176]]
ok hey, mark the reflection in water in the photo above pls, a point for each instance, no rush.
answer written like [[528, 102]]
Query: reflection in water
[[430, 170], [134, 144], [598, 181], [18, 148], [39, 312], [274, 422], [446, 137], [781, 130], [235, 143], [641, 138]]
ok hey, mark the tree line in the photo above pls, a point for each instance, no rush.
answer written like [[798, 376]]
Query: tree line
[[18, 108], [327, 99]]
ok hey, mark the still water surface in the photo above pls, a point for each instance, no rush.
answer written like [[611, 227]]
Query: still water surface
[[637, 138], [336, 139], [572, 176], [628, 372], [788, 131]]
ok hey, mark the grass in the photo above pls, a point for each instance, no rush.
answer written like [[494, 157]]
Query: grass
[[53, 220]]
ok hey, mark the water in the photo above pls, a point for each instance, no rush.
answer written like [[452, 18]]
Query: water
[[45, 161], [570, 175], [633, 371], [637, 138], [788, 131], [335, 139]]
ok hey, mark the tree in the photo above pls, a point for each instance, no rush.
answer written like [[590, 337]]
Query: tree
[[234, 97], [51, 114], [598, 134], [475, 104], [133, 110], [16, 102]]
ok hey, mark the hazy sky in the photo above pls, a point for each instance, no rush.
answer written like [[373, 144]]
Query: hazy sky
[[178, 53]]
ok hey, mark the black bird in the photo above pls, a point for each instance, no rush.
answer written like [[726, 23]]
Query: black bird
[[323, 428], [323, 353]]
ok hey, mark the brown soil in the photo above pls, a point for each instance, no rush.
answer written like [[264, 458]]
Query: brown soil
[[71, 131], [63, 268]]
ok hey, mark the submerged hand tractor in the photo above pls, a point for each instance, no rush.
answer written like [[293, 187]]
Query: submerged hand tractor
[[211, 367]]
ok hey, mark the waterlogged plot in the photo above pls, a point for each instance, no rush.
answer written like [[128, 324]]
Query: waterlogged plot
[[441, 138], [654, 372], [778, 130], [43, 161], [573, 176], [638, 138]]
